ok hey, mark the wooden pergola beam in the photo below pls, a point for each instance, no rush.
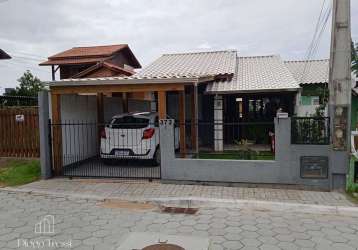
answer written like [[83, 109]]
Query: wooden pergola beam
[[100, 108], [182, 123], [162, 104], [100, 117], [126, 88], [125, 102], [56, 133], [194, 119]]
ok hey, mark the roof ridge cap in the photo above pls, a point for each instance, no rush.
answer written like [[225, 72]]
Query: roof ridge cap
[[119, 44], [312, 60], [198, 52], [272, 55]]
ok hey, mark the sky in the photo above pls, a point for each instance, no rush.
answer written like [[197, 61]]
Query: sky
[[32, 30]]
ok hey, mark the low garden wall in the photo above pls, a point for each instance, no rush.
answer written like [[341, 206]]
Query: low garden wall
[[285, 169]]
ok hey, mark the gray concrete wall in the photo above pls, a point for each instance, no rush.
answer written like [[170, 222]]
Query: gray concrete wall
[[45, 149], [285, 169]]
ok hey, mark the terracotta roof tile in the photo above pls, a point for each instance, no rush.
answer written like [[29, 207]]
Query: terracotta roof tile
[[93, 54], [95, 51]]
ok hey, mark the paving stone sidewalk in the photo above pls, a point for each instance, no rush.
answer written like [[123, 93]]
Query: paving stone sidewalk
[[132, 190], [90, 225]]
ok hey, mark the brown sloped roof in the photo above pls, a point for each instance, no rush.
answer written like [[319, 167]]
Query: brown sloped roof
[[4, 55], [92, 54], [93, 51], [116, 67]]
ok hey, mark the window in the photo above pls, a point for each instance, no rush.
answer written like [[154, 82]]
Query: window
[[315, 100], [305, 100], [309, 100], [129, 122]]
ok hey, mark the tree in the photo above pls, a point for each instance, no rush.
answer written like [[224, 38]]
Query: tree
[[355, 58], [29, 85]]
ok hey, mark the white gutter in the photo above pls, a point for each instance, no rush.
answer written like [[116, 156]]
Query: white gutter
[[121, 81], [253, 91]]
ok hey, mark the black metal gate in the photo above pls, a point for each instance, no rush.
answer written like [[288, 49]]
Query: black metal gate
[[128, 149]]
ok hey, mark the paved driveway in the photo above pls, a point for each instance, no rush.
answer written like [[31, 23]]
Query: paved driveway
[[89, 224]]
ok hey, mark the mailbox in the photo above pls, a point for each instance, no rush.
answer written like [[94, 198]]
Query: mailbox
[[314, 167]]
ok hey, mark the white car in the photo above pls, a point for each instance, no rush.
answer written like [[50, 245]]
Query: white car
[[133, 136]]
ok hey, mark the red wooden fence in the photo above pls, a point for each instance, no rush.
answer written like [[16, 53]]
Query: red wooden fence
[[19, 132]]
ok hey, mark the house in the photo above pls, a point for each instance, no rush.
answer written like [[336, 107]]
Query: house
[[221, 87], [4, 55], [97, 61], [94, 61], [177, 82], [219, 101], [312, 76]]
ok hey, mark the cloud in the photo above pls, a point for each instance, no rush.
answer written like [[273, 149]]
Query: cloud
[[152, 27]]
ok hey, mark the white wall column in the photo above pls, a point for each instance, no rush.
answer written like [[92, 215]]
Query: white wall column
[[298, 103], [153, 103], [218, 123]]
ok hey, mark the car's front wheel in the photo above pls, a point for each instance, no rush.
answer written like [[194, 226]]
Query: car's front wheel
[[156, 157]]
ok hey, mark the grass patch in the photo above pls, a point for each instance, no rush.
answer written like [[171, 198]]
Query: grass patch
[[19, 172], [238, 155], [353, 197]]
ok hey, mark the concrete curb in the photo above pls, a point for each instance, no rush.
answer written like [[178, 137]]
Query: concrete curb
[[55, 194], [208, 202], [257, 205]]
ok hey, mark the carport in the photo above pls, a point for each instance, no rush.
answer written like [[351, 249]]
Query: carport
[[75, 139], [176, 84]]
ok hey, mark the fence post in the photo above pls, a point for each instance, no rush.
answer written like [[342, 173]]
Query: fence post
[[282, 139], [45, 150], [166, 139], [218, 123]]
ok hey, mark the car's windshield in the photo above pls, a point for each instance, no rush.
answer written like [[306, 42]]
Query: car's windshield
[[129, 122]]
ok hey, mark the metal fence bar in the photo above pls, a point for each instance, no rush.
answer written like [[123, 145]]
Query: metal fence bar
[[310, 130], [18, 101], [91, 149]]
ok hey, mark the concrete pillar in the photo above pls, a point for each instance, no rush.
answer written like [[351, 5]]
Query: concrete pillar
[[45, 145], [167, 151], [282, 139], [340, 91], [218, 123]]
